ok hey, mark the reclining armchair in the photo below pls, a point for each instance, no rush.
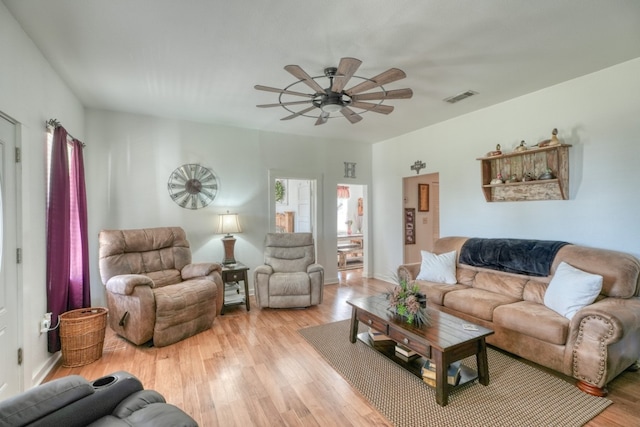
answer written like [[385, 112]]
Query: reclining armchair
[[154, 292], [289, 277], [118, 399]]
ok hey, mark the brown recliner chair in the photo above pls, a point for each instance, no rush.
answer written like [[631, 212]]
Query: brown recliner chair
[[154, 292], [290, 276]]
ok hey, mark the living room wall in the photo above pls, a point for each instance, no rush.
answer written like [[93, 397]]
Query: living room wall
[[31, 93], [597, 114], [129, 159]]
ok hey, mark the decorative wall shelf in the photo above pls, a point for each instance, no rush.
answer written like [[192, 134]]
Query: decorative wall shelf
[[534, 161]]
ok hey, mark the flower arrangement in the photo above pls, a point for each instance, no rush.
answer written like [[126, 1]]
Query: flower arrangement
[[406, 300]]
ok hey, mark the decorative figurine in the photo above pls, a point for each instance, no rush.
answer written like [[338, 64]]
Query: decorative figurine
[[554, 138], [511, 179], [547, 174], [550, 142], [522, 146], [497, 152], [528, 177], [497, 179]]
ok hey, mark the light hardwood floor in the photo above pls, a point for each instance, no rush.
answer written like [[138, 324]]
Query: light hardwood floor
[[254, 369]]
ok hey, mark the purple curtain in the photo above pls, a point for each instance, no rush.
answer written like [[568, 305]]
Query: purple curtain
[[68, 284]]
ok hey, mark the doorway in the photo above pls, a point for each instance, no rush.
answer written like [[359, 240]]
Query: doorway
[[421, 215], [294, 203], [351, 226], [11, 369], [293, 206]]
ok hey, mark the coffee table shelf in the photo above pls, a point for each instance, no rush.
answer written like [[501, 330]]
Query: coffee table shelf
[[414, 366]]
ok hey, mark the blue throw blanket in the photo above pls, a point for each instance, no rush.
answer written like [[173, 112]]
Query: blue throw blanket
[[531, 257]]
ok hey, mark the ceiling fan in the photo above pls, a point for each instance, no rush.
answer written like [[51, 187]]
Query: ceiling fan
[[335, 98]]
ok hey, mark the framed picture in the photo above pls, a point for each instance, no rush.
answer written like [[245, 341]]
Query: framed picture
[[423, 197], [409, 224]]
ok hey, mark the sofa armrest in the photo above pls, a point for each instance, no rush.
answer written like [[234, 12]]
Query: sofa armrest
[[124, 284], [191, 271], [597, 329], [409, 271], [263, 269], [43, 400], [313, 268]]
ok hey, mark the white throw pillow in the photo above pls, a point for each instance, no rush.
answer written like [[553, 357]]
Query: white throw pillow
[[571, 289], [438, 268]]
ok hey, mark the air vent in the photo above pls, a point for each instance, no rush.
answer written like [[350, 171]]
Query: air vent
[[460, 96]]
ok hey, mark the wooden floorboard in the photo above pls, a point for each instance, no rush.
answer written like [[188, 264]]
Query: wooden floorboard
[[254, 369]]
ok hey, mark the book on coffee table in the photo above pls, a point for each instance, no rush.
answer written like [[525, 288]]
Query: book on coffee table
[[405, 353], [378, 338], [453, 372]]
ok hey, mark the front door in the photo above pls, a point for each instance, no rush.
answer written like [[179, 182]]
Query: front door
[[9, 368]]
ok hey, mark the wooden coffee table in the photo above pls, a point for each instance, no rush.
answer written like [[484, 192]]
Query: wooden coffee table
[[444, 340]]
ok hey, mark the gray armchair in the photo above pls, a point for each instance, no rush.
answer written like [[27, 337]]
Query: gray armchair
[[153, 289], [118, 399], [289, 277]]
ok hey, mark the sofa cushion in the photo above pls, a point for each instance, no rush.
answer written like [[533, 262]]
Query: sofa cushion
[[435, 292], [533, 319], [476, 302], [571, 289], [438, 268], [511, 285], [296, 283]]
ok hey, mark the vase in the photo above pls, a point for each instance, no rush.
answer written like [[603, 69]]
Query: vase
[[349, 230]]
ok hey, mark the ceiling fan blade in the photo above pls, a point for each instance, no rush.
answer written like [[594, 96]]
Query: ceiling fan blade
[[378, 108], [299, 113], [391, 75], [390, 94], [288, 92], [302, 75], [322, 118], [346, 69], [351, 115], [284, 103]]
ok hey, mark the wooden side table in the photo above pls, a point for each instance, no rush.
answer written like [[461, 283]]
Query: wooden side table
[[231, 275]]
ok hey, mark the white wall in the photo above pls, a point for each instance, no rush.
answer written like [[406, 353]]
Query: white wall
[[130, 157], [31, 93], [598, 114]]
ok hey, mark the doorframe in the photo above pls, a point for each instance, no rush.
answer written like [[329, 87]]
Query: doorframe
[[317, 223], [15, 218]]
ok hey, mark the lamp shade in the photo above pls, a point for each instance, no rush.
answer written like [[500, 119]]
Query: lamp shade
[[228, 223]]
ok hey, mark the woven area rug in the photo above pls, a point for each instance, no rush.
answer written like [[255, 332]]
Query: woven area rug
[[518, 394]]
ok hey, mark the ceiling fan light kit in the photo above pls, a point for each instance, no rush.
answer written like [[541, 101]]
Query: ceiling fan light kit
[[335, 98]]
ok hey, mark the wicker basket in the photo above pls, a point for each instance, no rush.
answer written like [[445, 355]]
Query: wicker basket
[[82, 335]]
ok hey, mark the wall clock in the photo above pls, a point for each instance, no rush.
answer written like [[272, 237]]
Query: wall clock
[[192, 186]]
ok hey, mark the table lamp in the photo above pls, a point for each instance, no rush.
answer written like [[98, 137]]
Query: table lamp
[[228, 223]]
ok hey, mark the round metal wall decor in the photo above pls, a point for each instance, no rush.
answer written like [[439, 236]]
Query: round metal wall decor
[[192, 186]]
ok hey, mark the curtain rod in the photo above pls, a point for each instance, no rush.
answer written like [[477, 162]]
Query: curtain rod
[[54, 123]]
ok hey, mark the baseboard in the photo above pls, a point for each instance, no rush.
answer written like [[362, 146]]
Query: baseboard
[[46, 368]]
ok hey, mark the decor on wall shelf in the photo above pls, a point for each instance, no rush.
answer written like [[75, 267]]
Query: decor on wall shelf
[[423, 197], [409, 226], [496, 152], [192, 186], [538, 173], [227, 224], [417, 165]]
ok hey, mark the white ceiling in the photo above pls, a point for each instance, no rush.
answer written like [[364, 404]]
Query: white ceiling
[[200, 59]]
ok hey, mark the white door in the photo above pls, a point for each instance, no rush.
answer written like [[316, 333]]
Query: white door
[[303, 220], [9, 368]]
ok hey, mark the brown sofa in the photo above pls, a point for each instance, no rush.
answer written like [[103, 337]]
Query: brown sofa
[[154, 292], [595, 345]]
